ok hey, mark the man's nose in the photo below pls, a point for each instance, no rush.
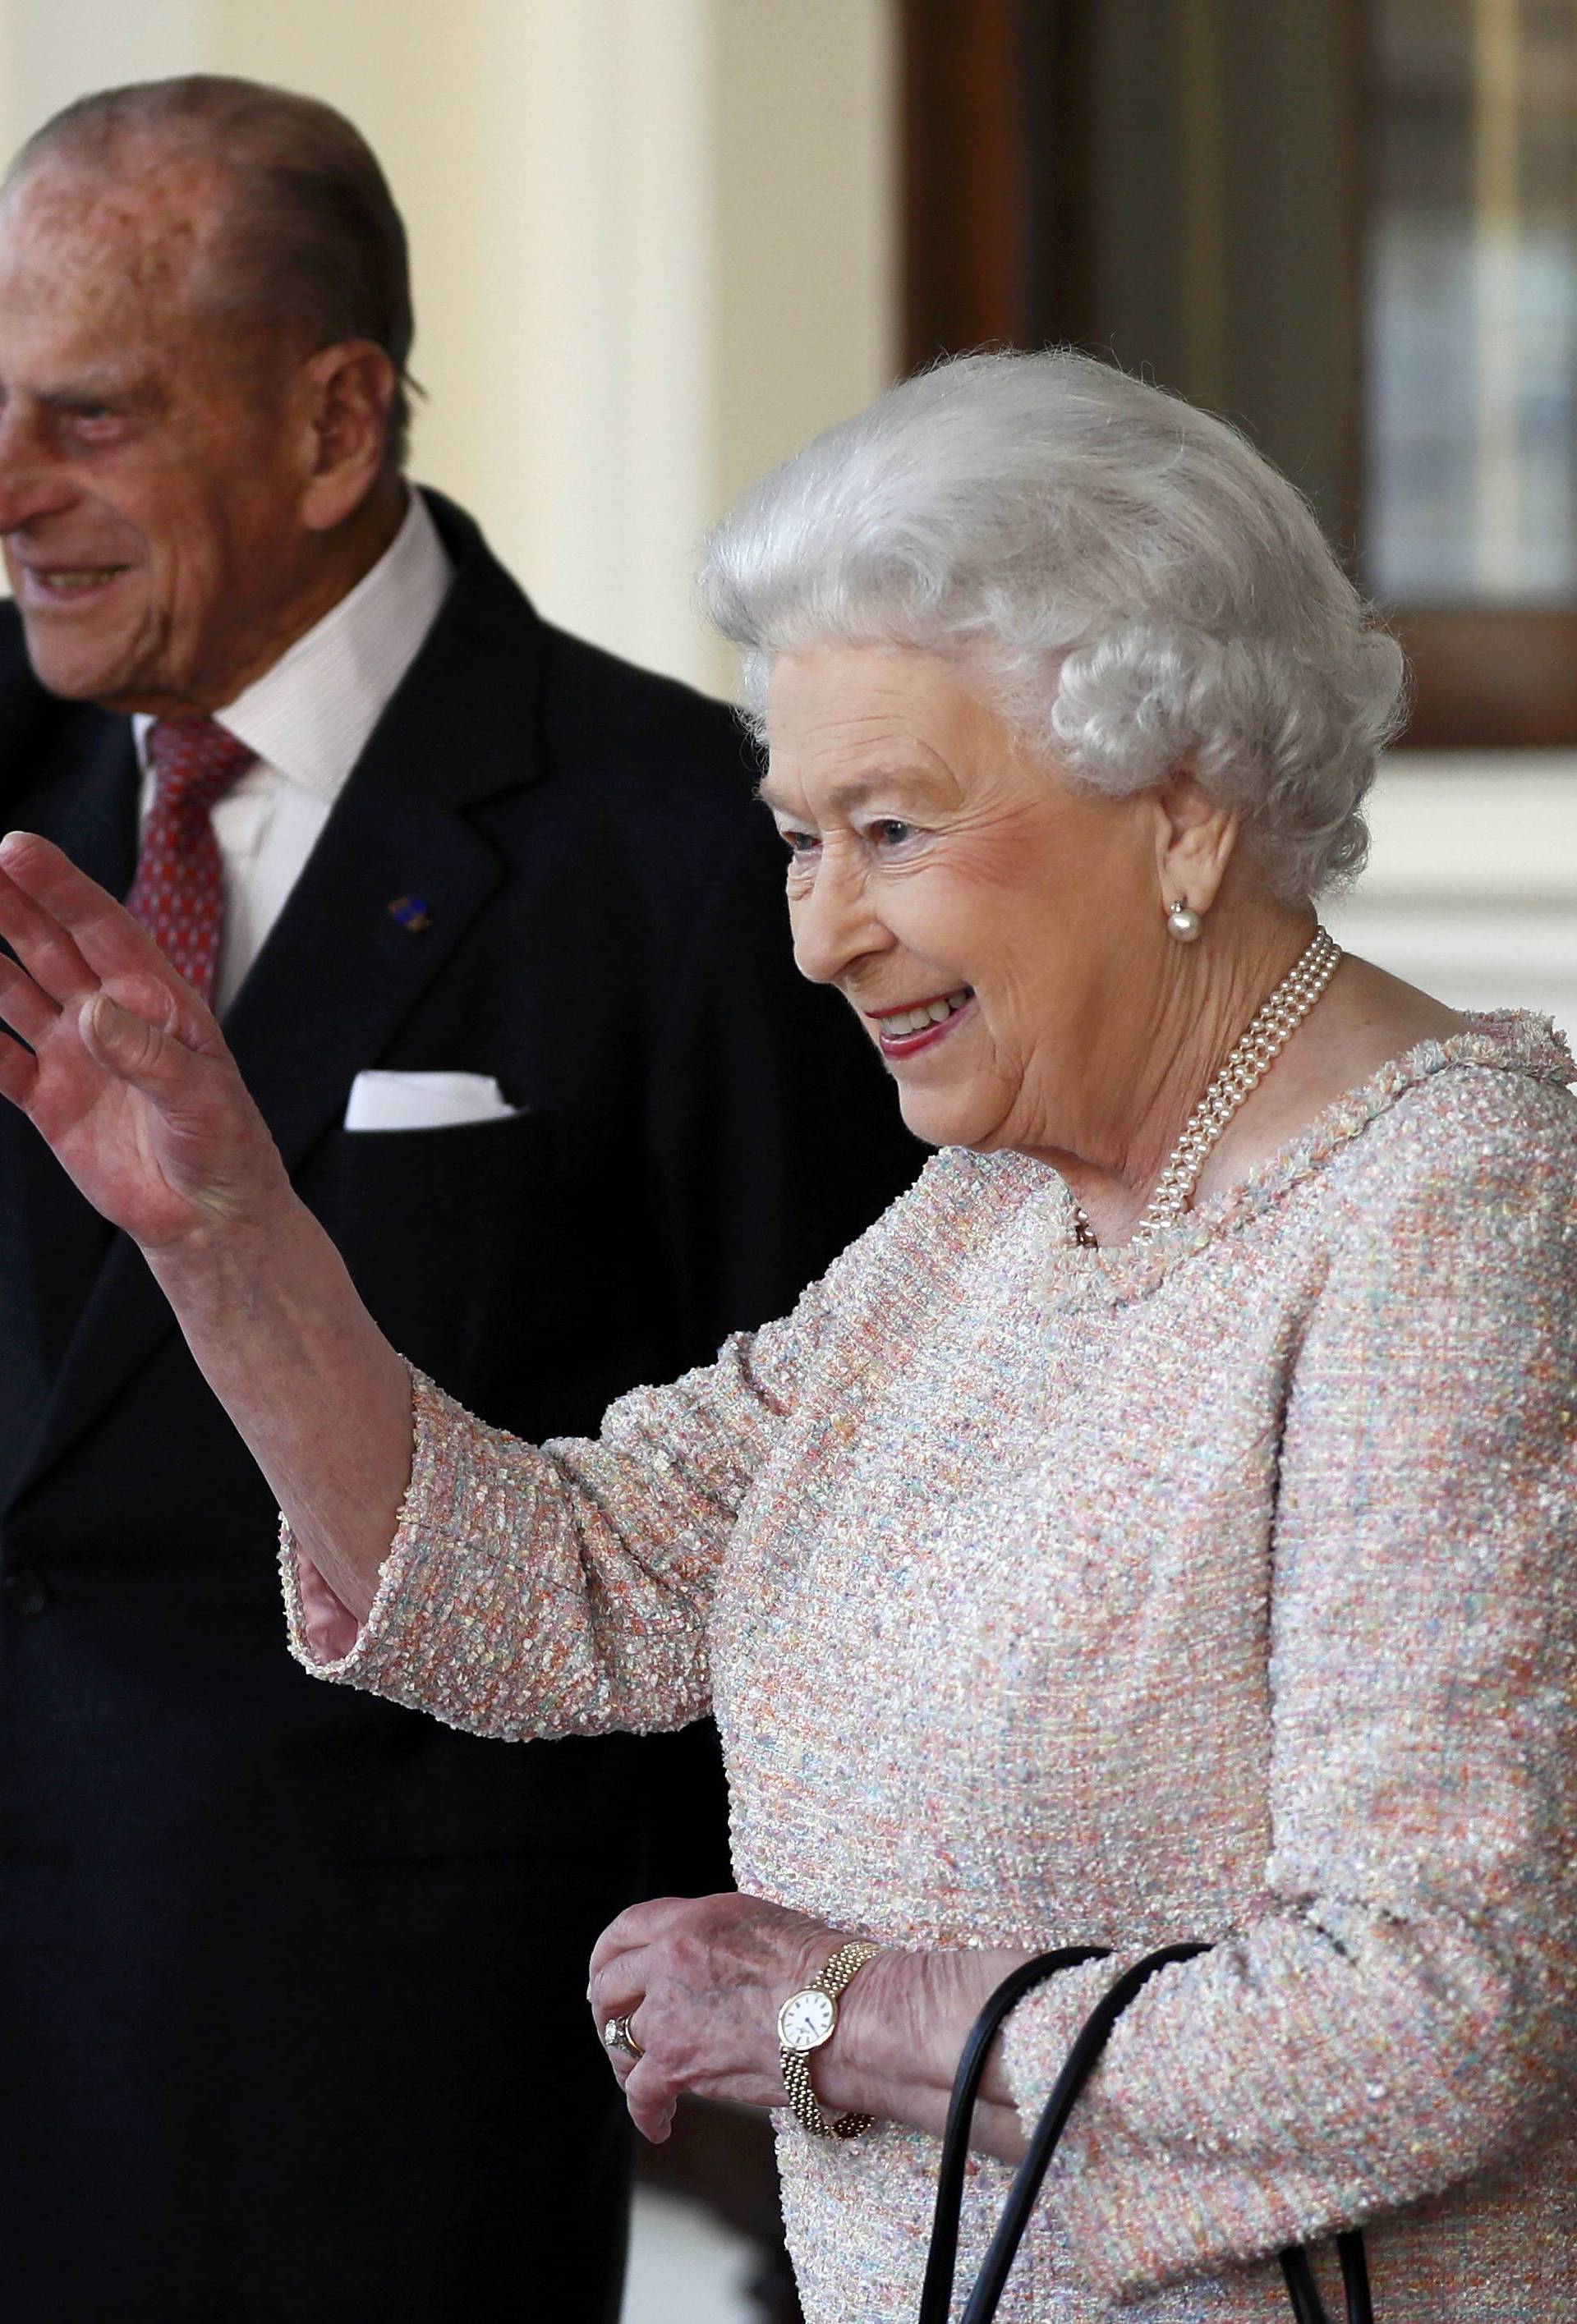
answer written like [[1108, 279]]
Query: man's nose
[[834, 922], [32, 487]]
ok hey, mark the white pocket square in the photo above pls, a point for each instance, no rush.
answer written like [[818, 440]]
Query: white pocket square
[[385, 1101]]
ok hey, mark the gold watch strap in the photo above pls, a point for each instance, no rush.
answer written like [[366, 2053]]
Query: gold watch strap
[[796, 2063]]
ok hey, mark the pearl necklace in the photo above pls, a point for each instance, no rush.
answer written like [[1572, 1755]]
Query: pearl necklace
[[1244, 1070]]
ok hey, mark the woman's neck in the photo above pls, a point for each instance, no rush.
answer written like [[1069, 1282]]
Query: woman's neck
[[1182, 1036], [1364, 1020]]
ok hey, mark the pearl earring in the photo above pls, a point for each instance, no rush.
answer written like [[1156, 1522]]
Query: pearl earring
[[1183, 923]]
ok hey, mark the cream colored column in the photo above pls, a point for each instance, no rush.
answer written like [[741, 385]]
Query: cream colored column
[[691, 243], [805, 200], [651, 242], [595, 413]]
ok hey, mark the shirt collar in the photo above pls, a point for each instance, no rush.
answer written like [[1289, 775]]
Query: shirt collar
[[311, 714]]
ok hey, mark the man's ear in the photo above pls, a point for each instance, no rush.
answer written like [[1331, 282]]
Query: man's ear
[[347, 393], [1196, 840]]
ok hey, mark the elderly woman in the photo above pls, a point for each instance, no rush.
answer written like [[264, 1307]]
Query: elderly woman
[[1157, 1527]]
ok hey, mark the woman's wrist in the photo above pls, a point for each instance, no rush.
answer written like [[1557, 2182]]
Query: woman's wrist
[[902, 2024], [232, 1257], [324, 1402]]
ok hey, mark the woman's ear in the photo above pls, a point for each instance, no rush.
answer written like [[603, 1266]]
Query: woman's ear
[[1195, 840], [349, 391]]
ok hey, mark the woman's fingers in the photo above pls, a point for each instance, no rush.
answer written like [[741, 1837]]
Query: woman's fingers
[[617, 1989], [612, 1998], [18, 1072], [126, 1045], [24, 1006], [652, 2099], [129, 1080], [640, 1925], [650, 2091], [82, 937], [133, 1050], [617, 1992], [48, 953], [623, 2061]]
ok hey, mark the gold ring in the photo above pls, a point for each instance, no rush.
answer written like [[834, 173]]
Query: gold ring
[[616, 2035]]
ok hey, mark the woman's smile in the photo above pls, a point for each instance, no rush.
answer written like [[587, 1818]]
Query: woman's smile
[[915, 1025]]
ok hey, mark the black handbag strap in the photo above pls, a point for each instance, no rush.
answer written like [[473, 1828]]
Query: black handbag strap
[[942, 2260], [1079, 2065], [1303, 2292]]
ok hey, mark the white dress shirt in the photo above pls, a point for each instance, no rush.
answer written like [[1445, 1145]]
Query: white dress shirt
[[308, 719]]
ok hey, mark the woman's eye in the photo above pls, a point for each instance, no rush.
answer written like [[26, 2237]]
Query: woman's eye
[[891, 832], [799, 842]]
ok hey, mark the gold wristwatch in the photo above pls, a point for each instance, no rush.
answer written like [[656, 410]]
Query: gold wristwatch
[[806, 2020]]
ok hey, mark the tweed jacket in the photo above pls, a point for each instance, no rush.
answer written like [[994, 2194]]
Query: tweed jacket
[[1219, 1589]]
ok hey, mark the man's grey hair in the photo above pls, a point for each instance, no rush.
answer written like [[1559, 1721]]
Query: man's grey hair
[[312, 246], [1141, 592]]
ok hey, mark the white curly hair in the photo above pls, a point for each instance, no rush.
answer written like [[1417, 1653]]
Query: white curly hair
[[1142, 590]]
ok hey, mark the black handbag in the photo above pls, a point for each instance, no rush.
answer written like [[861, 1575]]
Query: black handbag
[[936, 2293]]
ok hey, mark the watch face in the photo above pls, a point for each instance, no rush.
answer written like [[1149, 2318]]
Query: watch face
[[806, 2019]]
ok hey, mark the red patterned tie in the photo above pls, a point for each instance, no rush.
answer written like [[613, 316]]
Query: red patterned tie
[[178, 892]]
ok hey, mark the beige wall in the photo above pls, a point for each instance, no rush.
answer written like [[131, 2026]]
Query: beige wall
[[651, 240]]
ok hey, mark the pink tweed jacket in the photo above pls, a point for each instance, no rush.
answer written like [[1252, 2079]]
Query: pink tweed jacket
[[1218, 1590]]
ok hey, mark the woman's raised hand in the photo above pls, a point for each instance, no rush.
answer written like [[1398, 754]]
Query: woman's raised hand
[[128, 1078], [124, 1073]]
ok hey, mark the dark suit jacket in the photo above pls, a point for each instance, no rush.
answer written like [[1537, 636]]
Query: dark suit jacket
[[291, 2015]]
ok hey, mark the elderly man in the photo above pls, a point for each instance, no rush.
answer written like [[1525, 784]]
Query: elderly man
[[494, 926]]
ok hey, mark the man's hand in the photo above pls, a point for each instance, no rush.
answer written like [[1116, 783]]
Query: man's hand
[[129, 1080]]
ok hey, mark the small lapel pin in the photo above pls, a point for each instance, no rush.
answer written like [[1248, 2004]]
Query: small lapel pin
[[412, 914]]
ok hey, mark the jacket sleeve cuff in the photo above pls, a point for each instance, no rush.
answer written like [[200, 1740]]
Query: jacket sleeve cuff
[[325, 1636]]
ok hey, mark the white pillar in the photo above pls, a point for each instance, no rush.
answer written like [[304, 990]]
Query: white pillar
[[595, 413]]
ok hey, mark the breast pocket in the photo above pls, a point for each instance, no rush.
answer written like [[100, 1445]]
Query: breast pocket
[[445, 1232]]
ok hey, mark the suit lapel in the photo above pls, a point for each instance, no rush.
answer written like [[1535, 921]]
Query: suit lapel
[[340, 972]]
